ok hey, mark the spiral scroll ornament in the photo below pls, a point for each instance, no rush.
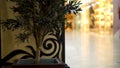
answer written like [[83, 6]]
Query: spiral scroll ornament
[[52, 46]]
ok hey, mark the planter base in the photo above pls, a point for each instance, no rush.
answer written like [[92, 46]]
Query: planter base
[[44, 63]]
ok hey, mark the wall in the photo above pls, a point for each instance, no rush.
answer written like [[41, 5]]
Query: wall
[[8, 41], [53, 43], [3, 16], [116, 24]]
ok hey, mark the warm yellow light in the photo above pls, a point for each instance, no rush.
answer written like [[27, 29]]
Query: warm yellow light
[[103, 16]]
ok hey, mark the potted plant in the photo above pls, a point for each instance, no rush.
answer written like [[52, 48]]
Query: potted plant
[[38, 17]]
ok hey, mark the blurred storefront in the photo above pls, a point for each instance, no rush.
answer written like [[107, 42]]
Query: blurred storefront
[[96, 15]]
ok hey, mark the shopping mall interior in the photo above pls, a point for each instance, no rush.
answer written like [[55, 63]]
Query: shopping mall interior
[[96, 15], [92, 36], [89, 36]]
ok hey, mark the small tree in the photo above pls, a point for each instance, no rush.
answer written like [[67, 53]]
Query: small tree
[[36, 18]]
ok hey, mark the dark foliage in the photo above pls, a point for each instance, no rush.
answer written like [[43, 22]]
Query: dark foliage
[[37, 18], [73, 7]]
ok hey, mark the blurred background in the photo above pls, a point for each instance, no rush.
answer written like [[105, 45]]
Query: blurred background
[[96, 15]]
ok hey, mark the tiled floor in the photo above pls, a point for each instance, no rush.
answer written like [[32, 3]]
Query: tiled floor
[[92, 50]]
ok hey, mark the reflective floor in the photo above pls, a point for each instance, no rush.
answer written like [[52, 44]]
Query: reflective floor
[[92, 50]]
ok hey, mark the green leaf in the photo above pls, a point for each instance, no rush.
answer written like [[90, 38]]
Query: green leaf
[[23, 37], [10, 24]]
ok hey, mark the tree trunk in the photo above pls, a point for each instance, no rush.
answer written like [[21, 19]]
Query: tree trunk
[[37, 58], [36, 34], [38, 40]]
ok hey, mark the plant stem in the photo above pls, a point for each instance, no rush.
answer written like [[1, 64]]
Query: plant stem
[[36, 35], [37, 58]]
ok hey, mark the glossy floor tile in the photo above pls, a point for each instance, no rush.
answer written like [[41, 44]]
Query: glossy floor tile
[[92, 50]]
